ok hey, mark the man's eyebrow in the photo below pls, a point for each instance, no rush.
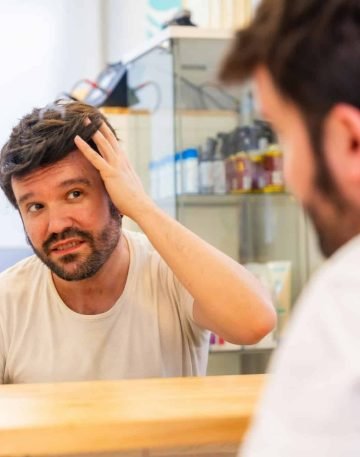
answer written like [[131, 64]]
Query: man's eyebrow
[[66, 183], [25, 197], [75, 181]]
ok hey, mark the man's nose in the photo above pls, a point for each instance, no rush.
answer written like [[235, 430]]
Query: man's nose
[[59, 219]]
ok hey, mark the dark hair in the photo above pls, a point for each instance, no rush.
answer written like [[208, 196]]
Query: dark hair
[[44, 137], [311, 49]]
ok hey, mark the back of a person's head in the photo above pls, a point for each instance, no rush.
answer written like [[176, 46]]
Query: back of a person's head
[[44, 137], [311, 49]]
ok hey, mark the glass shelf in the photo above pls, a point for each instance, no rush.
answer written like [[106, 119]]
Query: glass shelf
[[226, 199]]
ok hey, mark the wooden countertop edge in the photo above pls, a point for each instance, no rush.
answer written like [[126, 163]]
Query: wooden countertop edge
[[104, 416], [108, 438]]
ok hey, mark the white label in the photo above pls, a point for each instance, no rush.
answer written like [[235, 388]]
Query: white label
[[277, 178]]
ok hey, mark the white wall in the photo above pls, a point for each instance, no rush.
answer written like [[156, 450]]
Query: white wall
[[45, 47], [125, 27]]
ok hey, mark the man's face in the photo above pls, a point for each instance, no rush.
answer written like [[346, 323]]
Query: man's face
[[335, 221], [67, 217]]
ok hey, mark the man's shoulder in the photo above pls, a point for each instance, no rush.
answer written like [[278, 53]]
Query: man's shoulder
[[140, 246], [135, 237], [331, 296], [20, 271], [316, 361], [341, 268]]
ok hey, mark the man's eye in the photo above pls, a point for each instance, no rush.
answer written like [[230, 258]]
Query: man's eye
[[74, 194], [34, 207]]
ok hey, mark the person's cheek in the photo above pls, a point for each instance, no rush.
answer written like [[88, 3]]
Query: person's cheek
[[287, 160], [290, 169]]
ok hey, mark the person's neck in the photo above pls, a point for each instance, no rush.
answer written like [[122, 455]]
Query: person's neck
[[99, 293]]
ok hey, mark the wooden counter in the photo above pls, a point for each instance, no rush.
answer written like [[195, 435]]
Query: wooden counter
[[69, 418]]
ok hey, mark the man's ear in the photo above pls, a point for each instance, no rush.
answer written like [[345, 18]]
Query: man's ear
[[342, 149]]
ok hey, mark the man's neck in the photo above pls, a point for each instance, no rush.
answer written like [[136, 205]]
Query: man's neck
[[99, 293]]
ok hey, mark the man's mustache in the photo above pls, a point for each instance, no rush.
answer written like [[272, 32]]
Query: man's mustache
[[67, 233]]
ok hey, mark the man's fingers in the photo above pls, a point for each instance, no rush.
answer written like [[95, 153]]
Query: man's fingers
[[105, 148], [104, 139], [107, 144], [89, 153], [108, 134]]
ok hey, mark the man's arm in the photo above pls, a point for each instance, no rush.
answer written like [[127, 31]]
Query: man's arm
[[227, 299]]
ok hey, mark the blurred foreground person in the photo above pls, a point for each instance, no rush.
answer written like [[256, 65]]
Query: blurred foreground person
[[304, 58]]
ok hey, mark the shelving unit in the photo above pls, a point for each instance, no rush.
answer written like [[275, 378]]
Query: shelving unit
[[175, 82]]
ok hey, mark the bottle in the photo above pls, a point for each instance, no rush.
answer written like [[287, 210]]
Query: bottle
[[190, 167], [242, 177], [219, 165], [257, 162], [243, 172], [273, 165], [206, 176], [230, 172]]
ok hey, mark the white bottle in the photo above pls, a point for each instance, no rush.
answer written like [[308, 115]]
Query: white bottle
[[219, 173], [190, 168], [206, 176]]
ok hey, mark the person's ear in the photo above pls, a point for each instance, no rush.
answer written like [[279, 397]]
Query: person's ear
[[342, 149]]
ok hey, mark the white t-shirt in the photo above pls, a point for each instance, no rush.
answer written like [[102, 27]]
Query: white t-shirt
[[311, 405], [149, 332]]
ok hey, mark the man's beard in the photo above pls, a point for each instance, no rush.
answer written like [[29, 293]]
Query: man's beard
[[335, 220], [101, 248]]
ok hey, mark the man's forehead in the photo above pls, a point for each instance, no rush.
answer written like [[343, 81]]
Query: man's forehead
[[272, 104], [67, 172], [74, 162]]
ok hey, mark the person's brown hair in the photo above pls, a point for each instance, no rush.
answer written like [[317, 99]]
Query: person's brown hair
[[311, 49], [46, 136]]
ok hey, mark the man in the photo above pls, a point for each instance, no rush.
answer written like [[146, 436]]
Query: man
[[97, 302], [304, 57]]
